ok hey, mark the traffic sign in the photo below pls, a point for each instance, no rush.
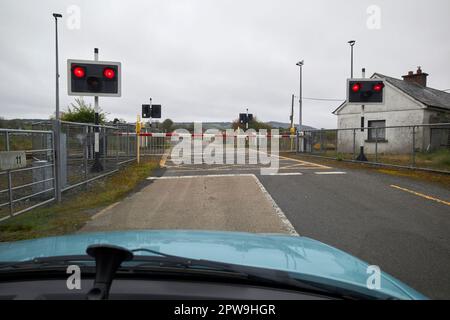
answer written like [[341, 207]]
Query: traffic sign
[[10, 160], [365, 91], [244, 118], [146, 111], [151, 111], [93, 78], [156, 111]]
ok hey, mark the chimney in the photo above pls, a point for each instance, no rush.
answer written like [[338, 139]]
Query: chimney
[[420, 77]]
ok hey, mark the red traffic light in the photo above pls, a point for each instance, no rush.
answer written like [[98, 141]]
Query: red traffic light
[[356, 87], [109, 73], [378, 87], [79, 72]]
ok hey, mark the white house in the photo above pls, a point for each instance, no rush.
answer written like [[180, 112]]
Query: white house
[[407, 102]]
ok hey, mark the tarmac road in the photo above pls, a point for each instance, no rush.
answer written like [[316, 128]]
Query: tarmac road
[[401, 225]]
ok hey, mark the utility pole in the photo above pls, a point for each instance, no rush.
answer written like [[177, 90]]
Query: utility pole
[[97, 167], [57, 124], [300, 101]]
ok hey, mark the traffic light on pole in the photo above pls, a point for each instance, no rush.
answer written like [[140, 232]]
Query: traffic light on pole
[[93, 78], [365, 91], [156, 111], [244, 119], [151, 111], [146, 111]]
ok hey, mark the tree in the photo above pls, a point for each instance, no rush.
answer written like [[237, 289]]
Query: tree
[[82, 112], [167, 125]]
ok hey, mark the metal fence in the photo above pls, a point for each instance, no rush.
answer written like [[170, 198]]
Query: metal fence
[[117, 146], [34, 184], [424, 147], [154, 143], [26, 188]]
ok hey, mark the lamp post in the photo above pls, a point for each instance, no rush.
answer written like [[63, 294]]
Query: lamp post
[[352, 44], [300, 100], [57, 124]]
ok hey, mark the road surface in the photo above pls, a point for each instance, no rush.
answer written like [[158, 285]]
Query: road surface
[[399, 224]]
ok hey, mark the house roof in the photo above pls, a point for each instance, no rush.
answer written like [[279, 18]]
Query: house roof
[[430, 97]]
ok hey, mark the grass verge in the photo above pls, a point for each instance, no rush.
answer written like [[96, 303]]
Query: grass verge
[[442, 180], [76, 208]]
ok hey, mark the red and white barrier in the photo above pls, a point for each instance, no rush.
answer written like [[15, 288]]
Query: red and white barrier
[[204, 135]]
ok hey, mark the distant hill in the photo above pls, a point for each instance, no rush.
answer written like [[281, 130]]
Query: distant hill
[[27, 124], [284, 125], [227, 125]]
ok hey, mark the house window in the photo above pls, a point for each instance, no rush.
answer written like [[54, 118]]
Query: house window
[[379, 131]]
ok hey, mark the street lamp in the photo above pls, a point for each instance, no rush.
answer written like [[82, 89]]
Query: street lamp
[[57, 125], [300, 115], [352, 44]]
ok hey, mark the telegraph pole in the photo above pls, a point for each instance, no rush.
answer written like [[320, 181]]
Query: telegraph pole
[[300, 102]]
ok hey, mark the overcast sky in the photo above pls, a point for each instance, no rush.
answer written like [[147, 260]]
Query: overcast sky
[[206, 60]]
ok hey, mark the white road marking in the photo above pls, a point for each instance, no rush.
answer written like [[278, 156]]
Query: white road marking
[[287, 224], [200, 176], [286, 174], [330, 173]]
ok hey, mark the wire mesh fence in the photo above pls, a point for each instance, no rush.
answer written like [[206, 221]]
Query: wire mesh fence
[[117, 146], [32, 183], [419, 146]]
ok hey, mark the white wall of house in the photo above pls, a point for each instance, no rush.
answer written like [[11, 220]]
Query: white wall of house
[[399, 110]]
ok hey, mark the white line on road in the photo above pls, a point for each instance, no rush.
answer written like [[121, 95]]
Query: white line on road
[[200, 176], [287, 224], [286, 174], [329, 173]]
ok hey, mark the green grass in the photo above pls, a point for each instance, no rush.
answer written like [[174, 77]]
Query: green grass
[[440, 179], [439, 158], [75, 210]]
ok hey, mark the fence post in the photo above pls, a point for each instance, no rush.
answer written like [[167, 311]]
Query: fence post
[[86, 151], [128, 141], [54, 164], [10, 191], [117, 145], [376, 145], [336, 144], [354, 144], [413, 147], [105, 152], [321, 142]]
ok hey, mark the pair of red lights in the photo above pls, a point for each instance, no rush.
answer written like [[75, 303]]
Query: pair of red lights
[[80, 72], [376, 87]]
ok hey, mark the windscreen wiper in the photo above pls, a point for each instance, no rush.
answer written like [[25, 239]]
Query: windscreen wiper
[[45, 262], [269, 277]]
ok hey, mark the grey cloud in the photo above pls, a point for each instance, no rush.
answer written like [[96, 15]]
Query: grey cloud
[[207, 60]]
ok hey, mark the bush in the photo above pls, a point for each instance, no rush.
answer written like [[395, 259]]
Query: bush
[[82, 112]]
